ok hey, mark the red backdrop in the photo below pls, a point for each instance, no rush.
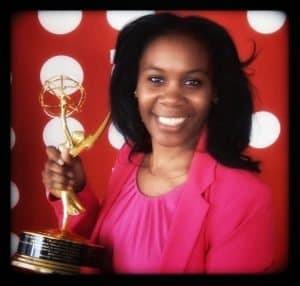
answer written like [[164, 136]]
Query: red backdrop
[[81, 43]]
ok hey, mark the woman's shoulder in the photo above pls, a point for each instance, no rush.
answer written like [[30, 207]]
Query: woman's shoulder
[[237, 175], [123, 156], [238, 184], [227, 176], [125, 149], [123, 153]]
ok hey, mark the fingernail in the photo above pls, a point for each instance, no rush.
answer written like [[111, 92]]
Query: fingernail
[[60, 162]]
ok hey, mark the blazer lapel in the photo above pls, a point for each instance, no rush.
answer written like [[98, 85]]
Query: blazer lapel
[[189, 217]]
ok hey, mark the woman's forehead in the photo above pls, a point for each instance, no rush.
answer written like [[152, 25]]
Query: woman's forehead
[[175, 51]]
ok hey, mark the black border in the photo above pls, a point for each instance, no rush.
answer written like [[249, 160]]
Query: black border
[[281, 278]]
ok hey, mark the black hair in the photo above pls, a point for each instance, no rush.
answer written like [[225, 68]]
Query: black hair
[[229, 120]]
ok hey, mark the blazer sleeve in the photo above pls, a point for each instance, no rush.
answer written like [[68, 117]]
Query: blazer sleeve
[[82, 224], [240, 232]]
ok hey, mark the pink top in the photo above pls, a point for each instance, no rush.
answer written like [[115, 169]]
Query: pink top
[[137, 226], [223, 222]]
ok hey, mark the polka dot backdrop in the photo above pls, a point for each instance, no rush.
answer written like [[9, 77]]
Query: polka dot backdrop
[[80, 44]]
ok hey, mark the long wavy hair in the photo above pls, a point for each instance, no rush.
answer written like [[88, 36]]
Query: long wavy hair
[[229, 121]]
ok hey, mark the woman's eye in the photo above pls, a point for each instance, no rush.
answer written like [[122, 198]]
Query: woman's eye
[[193, 82], [156, 79]]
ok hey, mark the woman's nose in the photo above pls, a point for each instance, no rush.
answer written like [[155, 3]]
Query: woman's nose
[[171, 94]]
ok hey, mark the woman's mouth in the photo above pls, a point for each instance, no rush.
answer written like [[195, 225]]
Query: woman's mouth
[[171, 121]]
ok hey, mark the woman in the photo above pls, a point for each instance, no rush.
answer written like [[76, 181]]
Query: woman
[[183, 197]]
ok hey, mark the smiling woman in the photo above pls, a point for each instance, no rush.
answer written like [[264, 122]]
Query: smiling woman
[[183, 196], [174, 90], [174, 93]]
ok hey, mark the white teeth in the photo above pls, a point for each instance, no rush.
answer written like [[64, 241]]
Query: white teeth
[[171, 121]]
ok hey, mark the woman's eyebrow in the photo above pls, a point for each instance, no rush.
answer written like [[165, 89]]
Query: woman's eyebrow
[[196, 70]]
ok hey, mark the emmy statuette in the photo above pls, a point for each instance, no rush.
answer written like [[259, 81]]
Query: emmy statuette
[[60, 250]]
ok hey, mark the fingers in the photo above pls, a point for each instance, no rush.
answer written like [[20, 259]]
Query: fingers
[[52, 153], [57, 174], [54, 167], [65, 156], [62, 172], [57, 180], [59, 157], [55, 183]]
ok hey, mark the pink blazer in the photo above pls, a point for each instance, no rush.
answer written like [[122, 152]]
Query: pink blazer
[[223, 223]]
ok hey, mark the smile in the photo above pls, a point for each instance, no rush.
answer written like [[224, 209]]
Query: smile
[[171, 121]]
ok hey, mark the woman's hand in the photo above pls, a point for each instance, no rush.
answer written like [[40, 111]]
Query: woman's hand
[[62, 172]]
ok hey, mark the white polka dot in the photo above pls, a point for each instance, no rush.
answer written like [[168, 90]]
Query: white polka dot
[[265, 129], [14, 195], [112, 55], [14, 243], [118, 19], [61, 65], [115, 137], [60, 22], [53, 134], [266, 22], [12, 138]]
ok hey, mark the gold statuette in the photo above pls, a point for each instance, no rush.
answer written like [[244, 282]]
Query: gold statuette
[[61, 251]]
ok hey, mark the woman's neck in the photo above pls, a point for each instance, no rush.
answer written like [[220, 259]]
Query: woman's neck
[[169, 162]]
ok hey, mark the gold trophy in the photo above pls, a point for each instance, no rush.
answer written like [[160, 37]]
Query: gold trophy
[[59, 250]]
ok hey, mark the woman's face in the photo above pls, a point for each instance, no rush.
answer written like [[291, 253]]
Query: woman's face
[[174, 90]]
